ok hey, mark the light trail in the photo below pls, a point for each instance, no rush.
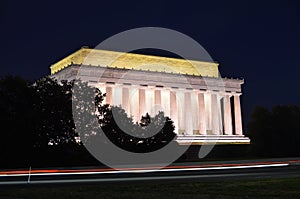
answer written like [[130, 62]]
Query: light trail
[[124, 179], [88, 173], [143, 168], [180, 168]]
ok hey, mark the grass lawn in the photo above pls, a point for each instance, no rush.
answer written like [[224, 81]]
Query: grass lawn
[[262, 188]]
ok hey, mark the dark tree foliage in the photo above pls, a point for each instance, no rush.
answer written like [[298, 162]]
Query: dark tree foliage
[[52, 108], [145, 120], [89, 111], [38, 126], [275, 132], [16, 119], [149, 135], [37, 122]]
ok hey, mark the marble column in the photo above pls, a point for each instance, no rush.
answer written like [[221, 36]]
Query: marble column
[[195, 111], [227, 115], [188, 114], [237, 115], [207, 102], [181, 110], [149, 93], [215, 114], [201, 115], [142, 102], [134, 103], [157, 98], [173, 110], [157, 101], [109, 95], [165, 101], [125, 100], [117, 95], [102, 88]]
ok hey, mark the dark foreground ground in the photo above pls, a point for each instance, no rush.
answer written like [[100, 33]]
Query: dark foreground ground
[[254, 188]]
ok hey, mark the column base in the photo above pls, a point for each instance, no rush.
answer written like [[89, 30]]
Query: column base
[[211, 139]]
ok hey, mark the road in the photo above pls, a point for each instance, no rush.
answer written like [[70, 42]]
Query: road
[[180, 172]]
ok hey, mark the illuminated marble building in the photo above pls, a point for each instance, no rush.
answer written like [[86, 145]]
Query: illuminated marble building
[[205, 108]]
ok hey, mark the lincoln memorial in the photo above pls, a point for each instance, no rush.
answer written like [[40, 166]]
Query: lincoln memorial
[[205, 108]]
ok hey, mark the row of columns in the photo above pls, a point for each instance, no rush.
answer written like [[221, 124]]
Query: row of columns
[[209, 117]]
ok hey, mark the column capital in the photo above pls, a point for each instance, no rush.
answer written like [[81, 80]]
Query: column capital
[[189, 90], [110, 85], [118, 84], [140, 86], [181, 89], [151, 87], [200, 91], [224, 93], [236, 94], [213, 92]]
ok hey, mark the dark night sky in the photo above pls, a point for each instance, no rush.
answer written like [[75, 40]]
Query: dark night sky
[[256, 40]]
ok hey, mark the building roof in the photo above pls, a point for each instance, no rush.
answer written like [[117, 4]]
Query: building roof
[[95, 57]]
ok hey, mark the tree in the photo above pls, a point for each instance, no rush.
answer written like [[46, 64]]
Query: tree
[[40, 122], [149, 135], [145, 120], [89, 112], [15, 116], [52, 107], [37, 122]]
